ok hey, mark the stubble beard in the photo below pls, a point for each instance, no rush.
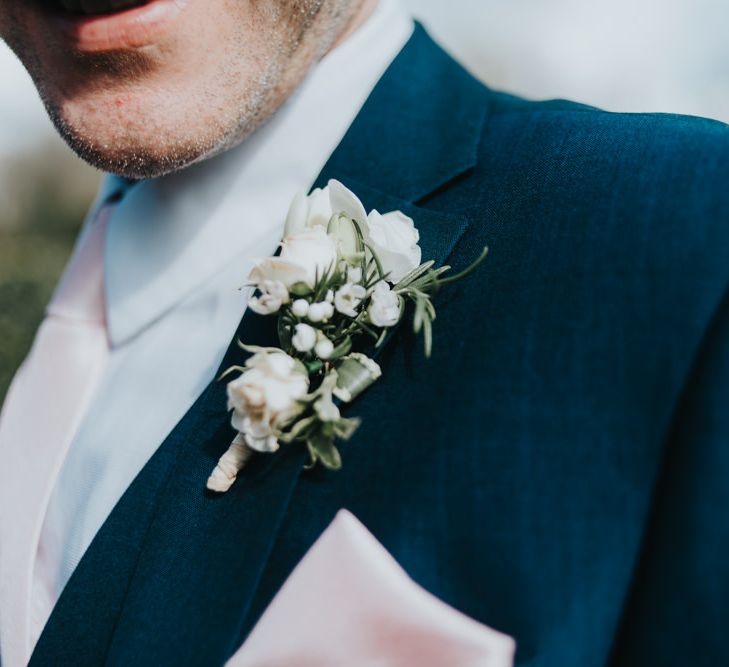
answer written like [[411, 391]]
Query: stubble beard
[[220, 114]]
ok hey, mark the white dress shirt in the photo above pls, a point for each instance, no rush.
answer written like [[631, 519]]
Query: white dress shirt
[[178, 249]]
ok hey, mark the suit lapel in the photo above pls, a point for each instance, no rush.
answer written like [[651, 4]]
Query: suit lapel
[[171, 575]]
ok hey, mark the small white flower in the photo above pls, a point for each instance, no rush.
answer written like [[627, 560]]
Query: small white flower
[[273, 295], [324, 348], [265, 397], [348, 298], [354, 274], [300, 307], [330, 296], [304, 338], [394, 238], [384, 309], [320, 312]]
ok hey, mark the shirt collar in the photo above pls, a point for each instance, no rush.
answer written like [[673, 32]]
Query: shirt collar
[[169, 235]]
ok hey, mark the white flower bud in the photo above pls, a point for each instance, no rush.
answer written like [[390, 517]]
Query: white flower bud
[[330, 296], [320, 312], [324, 348], [304, 338], [300, 307], [354, 274]]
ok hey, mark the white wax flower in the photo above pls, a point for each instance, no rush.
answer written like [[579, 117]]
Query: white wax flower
[[300, 307], [384, 308], [320, 312], [304, 338], [273, 295], [348, 298], [324, 348]]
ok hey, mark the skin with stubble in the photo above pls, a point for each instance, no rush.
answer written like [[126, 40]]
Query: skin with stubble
[[202, 87]]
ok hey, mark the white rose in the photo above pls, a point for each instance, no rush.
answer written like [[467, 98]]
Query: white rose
[[348, 297], [274, 269], [304, 337], [384, 309], [265, 398], [312, 250], [273, 295], [317, 210], [310, 211], [343, 200], [394, 238], [304, 257]]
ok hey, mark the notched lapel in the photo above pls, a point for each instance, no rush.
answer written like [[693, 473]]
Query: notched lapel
[[175, 567], [219, 545]]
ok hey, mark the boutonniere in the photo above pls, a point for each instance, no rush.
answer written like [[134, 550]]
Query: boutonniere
[[342, 275]]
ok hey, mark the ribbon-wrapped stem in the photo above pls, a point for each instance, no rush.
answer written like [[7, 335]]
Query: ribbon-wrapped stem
[[229, 465]]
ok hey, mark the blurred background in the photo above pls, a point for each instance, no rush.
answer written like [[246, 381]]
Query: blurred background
[[627, 55]]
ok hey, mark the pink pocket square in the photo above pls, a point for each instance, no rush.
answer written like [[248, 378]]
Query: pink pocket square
[[348, 602]]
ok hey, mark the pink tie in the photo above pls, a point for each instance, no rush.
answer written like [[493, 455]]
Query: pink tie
[[42, 412]]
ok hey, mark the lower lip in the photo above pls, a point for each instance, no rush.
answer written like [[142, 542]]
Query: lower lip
[[121, 31]]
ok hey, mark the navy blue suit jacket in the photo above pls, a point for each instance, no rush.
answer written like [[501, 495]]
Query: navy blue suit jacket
[[558, 470]]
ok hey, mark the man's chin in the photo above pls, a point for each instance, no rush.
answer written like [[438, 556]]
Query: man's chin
[[134, 155]]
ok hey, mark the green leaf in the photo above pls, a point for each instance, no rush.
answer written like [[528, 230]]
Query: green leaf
[[300, 289], [429, 282], [232, 369], [325, 451], [468, 270], [419, 314], [298, 430], [312, 456], [325, 408], [376, 259], [346, 427], [285, 333], [428, 336], [415, 274], [342, 350], [313, 366]]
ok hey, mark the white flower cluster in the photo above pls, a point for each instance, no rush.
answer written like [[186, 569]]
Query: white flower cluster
[[319, 238], [341, 273]]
